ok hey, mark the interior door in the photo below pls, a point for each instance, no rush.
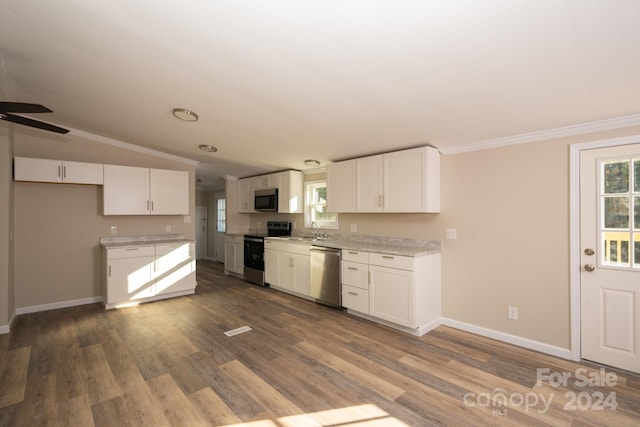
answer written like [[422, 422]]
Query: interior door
[[201, 232], [221, 226], [610, 255]]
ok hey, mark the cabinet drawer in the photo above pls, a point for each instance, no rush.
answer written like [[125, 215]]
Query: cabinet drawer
[[175, 249], [131, 252], [355, 298], [355, 256], [295, 248], [234, 239], [355, 274], [392, 261]]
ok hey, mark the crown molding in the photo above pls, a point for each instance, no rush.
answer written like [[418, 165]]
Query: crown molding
[[130, 147], [561, 132]]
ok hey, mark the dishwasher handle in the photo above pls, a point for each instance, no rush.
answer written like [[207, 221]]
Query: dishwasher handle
[[328, 251]]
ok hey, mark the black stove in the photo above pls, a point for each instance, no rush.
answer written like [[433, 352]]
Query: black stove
[[254, 250]]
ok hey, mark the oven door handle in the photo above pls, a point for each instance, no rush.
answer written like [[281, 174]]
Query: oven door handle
[[247, 239]]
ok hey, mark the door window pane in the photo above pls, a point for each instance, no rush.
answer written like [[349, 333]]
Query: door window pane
[[616, 212], [616, 177]]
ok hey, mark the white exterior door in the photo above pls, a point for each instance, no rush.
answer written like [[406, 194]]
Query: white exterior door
[[221, 227], [610, 256]]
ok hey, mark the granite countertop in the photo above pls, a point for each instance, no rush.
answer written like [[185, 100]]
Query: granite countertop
[[390, 246], [121, 241]]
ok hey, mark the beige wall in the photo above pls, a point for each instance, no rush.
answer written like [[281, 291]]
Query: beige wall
[[58, 226], [7, 306], [510, 207]]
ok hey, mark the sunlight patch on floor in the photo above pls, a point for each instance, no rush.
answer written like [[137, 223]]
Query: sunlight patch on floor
[[362, 415]]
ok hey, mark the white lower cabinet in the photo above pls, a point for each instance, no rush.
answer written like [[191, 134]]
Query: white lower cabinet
[[234, 255], [401, 290], [391, 295], [287, 266], [354, 273], [144, 273]]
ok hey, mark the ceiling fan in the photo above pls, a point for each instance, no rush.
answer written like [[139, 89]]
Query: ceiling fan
[[6, 108]]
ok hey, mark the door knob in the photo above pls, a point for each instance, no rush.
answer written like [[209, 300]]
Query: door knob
[[589, 251], [589, 267]]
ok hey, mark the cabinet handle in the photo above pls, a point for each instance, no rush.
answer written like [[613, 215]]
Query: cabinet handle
[[109, 271], [351, 268], [380, 201], [147, 205], [353, 253], [387, 257], [352, 293], [59, 171], [151, 206], [64, 171], [131, 249]]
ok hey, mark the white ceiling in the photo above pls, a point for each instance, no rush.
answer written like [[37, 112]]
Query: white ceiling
[[277, 82]]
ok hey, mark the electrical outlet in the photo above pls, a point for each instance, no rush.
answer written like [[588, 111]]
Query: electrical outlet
[[167, 228], [187, 219], [513, 313], [114, 230], [353, 228], [450, 233]]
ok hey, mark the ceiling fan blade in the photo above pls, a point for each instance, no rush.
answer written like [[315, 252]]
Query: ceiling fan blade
[[22, 107], [33, 123]]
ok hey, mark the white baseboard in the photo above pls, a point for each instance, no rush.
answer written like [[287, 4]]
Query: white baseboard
[[552, 350], [56, 305]]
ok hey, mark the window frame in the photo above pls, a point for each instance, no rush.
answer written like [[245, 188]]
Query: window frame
[[309, 187]]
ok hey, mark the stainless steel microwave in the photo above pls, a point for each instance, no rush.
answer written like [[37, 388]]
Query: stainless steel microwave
[[266, 200]]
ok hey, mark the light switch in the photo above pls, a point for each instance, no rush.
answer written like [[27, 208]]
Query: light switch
[[187, 219], [114, 230]]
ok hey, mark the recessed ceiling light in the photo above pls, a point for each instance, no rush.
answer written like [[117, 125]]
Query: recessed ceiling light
[[311, 162], [184, 114], [207, 148]]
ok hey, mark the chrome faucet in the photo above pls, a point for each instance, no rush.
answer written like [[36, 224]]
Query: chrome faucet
[[316, 233]]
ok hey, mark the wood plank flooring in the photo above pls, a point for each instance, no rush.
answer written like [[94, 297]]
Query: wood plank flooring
[[168, 363]]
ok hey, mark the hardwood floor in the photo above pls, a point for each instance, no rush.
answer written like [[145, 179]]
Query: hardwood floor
[[302, 364]]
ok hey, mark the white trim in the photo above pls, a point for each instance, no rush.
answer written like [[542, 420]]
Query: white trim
[[56, 305], [579, 129], [574, 230], [315, 171], [5, 329], [131, 147], [564, 353]]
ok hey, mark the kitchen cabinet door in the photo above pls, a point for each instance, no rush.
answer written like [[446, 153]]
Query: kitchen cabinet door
[[369, 184], [126, 190], [391, 295], [285, 265], [46, 170], [301, 271], [130, 278], [412, 180], [270, 266], [169, 191], [175, 268], [246, 190], [341, 186], [234, 254]]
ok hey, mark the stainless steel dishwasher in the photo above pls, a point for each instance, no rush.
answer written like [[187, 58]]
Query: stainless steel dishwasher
[[325, 276]]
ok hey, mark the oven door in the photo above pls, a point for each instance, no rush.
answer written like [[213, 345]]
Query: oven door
[[254, 253]]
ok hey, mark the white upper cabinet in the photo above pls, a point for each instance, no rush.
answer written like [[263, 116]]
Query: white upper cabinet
[[246, 189], [401, 181], [369, 184], [341, 179], [290, 192], [412, 180], [290, 185], [46, 170], [141, 191], [169, 191]]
